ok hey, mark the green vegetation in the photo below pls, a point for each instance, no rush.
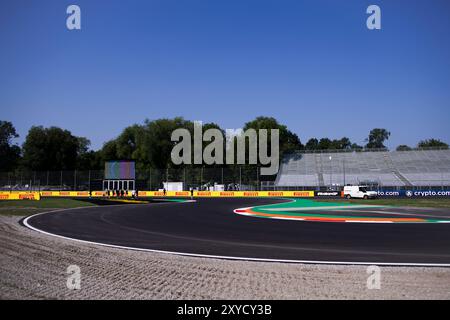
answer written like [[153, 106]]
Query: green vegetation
[[377, 137], [52, 149], [407, 202], [403, 147], [25, 207], [9, 152], [149, 144], [432, 143]]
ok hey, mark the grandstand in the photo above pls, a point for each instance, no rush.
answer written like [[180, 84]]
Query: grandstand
[[380, 168]]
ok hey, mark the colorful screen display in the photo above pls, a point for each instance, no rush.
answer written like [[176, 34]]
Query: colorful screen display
[[122, 170]]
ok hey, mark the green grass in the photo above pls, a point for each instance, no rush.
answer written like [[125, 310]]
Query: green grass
[[27, 207], [408, 202]]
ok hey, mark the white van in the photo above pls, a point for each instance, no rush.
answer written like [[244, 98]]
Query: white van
[[360, 192]]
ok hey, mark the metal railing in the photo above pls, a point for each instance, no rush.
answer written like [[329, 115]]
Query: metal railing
[[366, 150], [198, 178]]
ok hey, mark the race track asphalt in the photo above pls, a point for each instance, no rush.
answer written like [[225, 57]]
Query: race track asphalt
[[210, 227]]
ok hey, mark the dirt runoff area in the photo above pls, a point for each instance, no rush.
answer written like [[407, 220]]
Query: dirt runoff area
[[34, 266]]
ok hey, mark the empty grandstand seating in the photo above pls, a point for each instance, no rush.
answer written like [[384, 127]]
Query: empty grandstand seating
[[416, 168]]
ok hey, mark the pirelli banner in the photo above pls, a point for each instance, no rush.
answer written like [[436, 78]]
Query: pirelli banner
[[72, 194], [230, 194], [19, 195], [98, 194]]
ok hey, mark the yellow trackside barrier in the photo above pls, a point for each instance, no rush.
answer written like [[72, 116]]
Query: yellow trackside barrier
[[254, 193], [72, 194], [19, 195], [229, 194]]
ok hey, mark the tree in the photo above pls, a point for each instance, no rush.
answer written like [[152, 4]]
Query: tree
[[324, 144], [158, 144], [356, 147], [312, 144], [377, 137], [403, 147], [52, 149], [9, 153], [341, 144], [289, 141], [130, 142], [150, 144], [432, 143], [109, 151], [90, 160]]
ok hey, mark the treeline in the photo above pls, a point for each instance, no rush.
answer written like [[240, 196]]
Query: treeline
[[149, 144]]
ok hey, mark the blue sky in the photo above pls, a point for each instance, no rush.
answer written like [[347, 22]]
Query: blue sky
[[313, 65]]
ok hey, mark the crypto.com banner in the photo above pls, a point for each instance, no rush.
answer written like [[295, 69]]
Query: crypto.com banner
[[414, 193]]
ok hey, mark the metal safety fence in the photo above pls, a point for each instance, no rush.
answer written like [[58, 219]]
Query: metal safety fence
[[236, 178]]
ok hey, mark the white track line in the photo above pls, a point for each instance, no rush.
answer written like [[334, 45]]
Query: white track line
[[25, 222]]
